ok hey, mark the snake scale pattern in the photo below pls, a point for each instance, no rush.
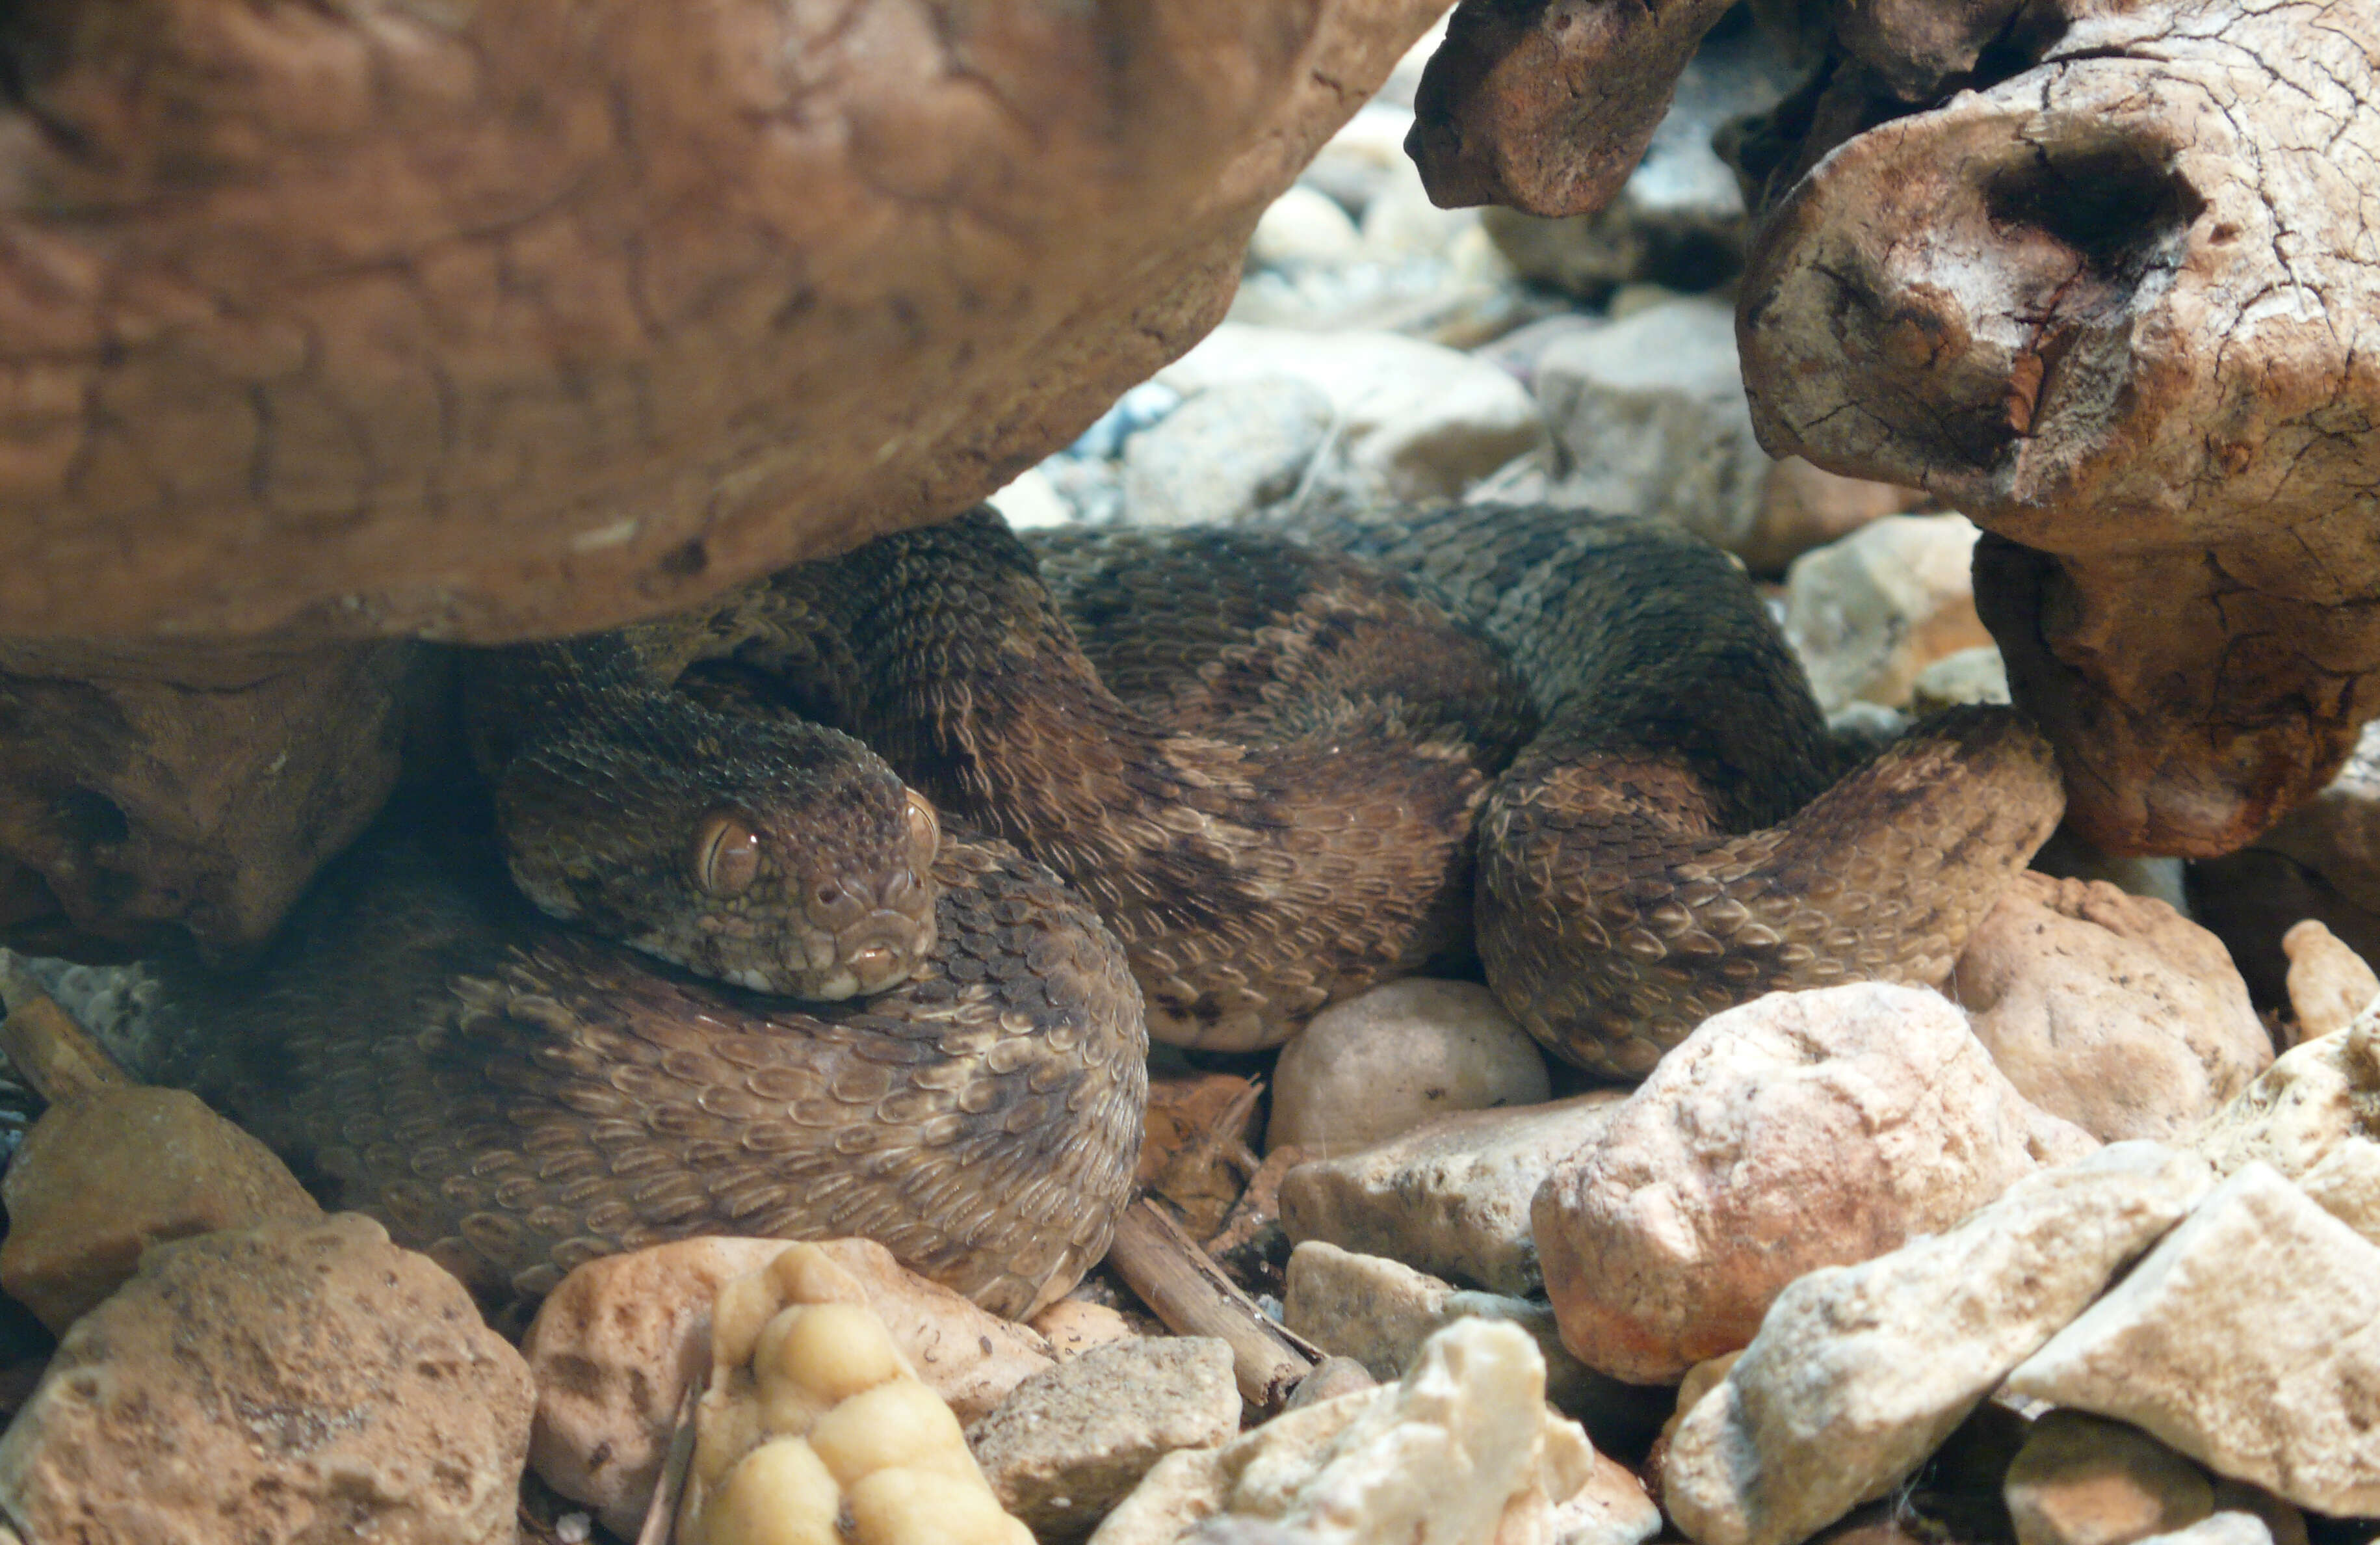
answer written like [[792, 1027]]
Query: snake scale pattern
[[1213, 778]]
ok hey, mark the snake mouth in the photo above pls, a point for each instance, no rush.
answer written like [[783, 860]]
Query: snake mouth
[[874, 935]]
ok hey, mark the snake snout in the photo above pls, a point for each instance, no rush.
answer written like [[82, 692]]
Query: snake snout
[[881, 926]]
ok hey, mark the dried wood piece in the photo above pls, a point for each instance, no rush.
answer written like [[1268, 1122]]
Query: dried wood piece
[[1193, 1296], [55, 1056]]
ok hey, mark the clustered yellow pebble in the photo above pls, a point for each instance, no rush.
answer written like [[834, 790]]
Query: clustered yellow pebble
[[815, 1430]]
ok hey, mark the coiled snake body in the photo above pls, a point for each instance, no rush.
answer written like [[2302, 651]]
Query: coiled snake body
[[1270, 765]]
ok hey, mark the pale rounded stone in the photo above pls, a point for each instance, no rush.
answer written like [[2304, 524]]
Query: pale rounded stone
[[1402, 1054], [1461, 1450], [1227, 453], [2346, 1184], [2113, 1011], [1304, 228], [2082, 1479], [1868, 612], [2329, 983], [303, 1379], [1031, 502], [1800, 1130], [1073, 1326], [2249, 1339], [1860, 1373], [614, 1346], [1413, 420], [1354, 164], [1451, 1197], [1067, 1443], [1402, 221], [1968, 676], [2223, 1528]]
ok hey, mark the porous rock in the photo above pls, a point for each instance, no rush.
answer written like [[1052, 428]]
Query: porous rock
[[1800, 1130], [1450, 1197], [1860, 1373], [1073, 1326], [1461, 1451], [303, 1379], [1067, 1443], [1868, 614], [2249, 1339], [1388, 1061], [1413, 420], [2111, 1010], [1231, 451], [614, 1346], [1970, 675], [102, 1178], [2314, 1096]]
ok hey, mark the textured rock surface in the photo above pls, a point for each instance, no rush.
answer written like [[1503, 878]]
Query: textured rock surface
[[1067, 1444], [2249, 1339], [613, 1347], [2314, 1098], [2103, 282], [297, 1381], [2111, 1010], [492, 319], [1400, 1055], [149, 794], [1800, 1130], [1451, 1197], [1860, 1373], [1461, 1451], [1868, 614], [103, 1178]]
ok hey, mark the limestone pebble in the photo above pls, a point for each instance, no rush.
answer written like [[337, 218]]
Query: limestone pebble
[[816, 1430]]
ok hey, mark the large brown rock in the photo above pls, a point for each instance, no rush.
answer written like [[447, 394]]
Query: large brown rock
[[486, 321], [298, 1381]]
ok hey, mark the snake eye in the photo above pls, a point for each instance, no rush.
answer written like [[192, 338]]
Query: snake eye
[[925, 831], [727, 856]]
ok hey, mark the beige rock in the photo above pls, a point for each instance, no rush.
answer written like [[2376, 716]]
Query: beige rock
[[1860, 1373], [2082, 1479], [297, 1381], [102, 1178], [1800, 1130], [1030, 501], [2345, 1183], [1451, 1197], [1066, 1444], [613, 1347], [2329, 984], [1413, 420], [1970, 675], [2312, 1098], [1073, 1326], [2111, 1010], [1868, 612], [1380, 1313], [1230, 452], [2249, 1339], [1392, 1059], [1461, 1451], [1304, 228], [2222, 1528]]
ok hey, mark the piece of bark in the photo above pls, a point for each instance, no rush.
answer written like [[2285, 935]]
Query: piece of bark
[[2116, 305], [1191, 1295]]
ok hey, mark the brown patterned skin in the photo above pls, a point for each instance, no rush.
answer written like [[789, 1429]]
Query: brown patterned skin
[[514, 1096], [1680, 836], [1261, 763]]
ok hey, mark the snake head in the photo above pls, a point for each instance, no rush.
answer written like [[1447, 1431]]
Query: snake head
[[782, 858], [784, 911]]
